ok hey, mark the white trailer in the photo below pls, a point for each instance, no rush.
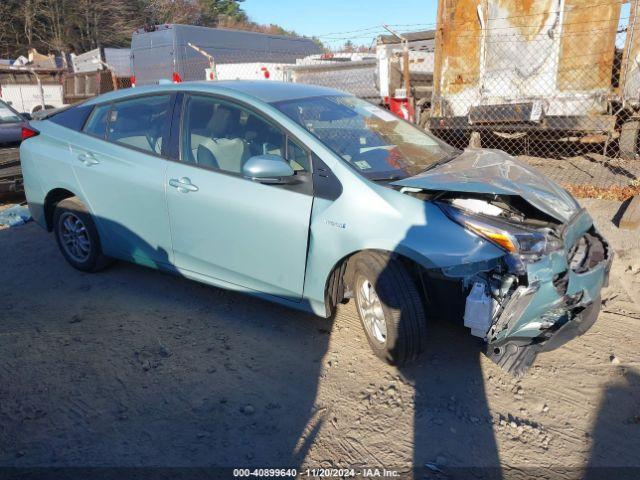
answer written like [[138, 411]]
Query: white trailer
[[250, 71], [357, 77], [413, 105]]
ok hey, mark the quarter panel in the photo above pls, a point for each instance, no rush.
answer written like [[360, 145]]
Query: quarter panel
[[46, 165]]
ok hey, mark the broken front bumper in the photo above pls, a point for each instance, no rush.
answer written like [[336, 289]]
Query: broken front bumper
[[554, 307]]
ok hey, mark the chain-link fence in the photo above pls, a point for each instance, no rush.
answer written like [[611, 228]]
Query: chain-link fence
[[555, 83], [556, 87]]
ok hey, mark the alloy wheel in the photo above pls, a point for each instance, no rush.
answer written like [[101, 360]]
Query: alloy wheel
[[75, 237], [370, 309]]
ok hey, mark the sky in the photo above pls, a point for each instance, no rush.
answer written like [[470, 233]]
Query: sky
[[325, 18]]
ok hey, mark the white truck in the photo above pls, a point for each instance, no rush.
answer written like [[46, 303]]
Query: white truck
[[29, 90]]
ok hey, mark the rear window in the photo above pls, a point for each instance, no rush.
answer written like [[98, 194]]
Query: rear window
[[73, 118]]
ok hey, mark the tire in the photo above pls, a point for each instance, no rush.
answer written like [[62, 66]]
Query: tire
[[628, 142], [77, 236], [399, 304]]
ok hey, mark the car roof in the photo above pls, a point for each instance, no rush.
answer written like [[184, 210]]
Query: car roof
[[273, 91], [264, 90]]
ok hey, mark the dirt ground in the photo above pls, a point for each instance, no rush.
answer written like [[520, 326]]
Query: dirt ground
[[135, 368], [590, 168]]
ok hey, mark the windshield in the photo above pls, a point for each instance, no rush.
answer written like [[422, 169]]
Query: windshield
[[7, 115], [372, 140]]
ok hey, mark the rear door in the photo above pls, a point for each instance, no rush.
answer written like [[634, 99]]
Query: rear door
[[225, 226], [121, 173]]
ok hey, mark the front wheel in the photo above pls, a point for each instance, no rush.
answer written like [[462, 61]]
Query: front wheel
[[390, 307]]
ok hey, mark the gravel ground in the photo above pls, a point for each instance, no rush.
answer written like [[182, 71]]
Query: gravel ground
[[591, 169], [135, 368]]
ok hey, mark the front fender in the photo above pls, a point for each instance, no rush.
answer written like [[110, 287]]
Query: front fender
[[390, 221]]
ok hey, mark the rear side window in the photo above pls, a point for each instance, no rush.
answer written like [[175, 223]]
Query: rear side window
[[97, 124], [72, 118], [140, 122]]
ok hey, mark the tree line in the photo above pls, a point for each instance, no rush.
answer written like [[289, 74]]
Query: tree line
[[65, 26]]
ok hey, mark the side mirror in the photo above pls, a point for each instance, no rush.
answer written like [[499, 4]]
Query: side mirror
[[26, 116], [267, 168]]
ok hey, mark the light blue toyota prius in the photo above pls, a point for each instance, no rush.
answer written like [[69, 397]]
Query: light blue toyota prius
[[310, 197]]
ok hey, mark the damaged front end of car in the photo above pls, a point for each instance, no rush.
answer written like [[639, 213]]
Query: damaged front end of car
[[538, 300], [543, 292], [545, 289]]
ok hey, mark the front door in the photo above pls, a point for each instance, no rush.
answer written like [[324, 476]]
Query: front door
[[121, 175], [225, 226]]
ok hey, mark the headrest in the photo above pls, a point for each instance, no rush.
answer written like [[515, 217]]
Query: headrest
[[200, 113], [220, 120]]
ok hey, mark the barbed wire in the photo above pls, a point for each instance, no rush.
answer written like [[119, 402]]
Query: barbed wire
[[470, 35], [377, 29]]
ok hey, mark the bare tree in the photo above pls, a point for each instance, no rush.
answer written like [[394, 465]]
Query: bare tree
[[11, 26], [173, 11], [63, 26], [54, 28], [29, 11], [101, 23]]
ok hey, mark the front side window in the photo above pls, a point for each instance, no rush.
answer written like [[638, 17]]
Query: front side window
[[223, 136], [139, 122], [372, 140]]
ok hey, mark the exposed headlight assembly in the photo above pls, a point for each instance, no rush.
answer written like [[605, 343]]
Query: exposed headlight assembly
[[512, 238]]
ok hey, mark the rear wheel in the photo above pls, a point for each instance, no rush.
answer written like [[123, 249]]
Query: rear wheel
[[77, 236], [390, 307]]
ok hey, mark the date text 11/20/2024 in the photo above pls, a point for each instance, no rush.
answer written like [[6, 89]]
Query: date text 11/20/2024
[[316, 472]]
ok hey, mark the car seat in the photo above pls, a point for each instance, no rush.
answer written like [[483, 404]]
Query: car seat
[[224, 149]]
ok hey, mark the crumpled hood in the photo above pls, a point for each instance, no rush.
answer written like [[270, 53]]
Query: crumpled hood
[[495, 172]]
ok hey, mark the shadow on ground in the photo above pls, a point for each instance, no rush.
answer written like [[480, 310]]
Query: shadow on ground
[[131, 367], [616, 431], [466, 440], [134, 368]]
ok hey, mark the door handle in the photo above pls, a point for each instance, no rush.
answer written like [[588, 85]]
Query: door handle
[[183, 185], [88, 159]]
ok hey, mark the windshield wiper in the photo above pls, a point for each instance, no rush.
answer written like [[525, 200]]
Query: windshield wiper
[[386, 179], [443, 160]]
